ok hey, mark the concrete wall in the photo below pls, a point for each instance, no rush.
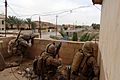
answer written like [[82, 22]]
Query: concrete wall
[[4, 44], [110, 40], [67, 51]]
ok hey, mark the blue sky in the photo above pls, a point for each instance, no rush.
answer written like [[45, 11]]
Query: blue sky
[[86, 15]]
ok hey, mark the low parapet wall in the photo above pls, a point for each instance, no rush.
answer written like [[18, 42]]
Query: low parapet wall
[[67, 50], [4, 44]]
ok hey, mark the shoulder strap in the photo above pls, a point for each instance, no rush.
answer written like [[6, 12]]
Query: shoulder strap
[[89, 58], [84, 61], [42, 52], [81, 63]]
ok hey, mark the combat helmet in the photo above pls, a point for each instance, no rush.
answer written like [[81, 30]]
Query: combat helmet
[[51, 48], [28, 36], [88, 47]]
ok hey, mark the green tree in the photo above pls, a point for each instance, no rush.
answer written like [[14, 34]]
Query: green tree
[[88, 37], [28, 22], [11, 20], [74, 37], [64, 34], [82, 38], [95, 26], [33, 25], [19, 22], [93, 37]]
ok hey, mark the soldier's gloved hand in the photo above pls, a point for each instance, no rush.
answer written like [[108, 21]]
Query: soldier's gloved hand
[[60, 60], [29, 44]]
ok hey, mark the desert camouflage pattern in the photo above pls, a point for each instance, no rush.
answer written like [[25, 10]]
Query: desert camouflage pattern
[[88, 69], [19, 47], [52, 63], [51, 69]]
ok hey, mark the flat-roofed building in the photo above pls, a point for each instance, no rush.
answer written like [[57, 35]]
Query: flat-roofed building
[[2, 22]]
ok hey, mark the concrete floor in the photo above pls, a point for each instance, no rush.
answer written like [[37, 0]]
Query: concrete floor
[[12, 73], [8, 74]]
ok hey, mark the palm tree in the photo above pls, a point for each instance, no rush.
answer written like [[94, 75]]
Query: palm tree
[[19, 22], [11, 20], [29, 22], [33, 26]]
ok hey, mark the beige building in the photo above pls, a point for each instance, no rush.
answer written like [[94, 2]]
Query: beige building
[[2, 22], [46, 26], [109, 40]]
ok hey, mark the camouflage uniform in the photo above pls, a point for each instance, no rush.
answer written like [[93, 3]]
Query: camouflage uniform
[[88, 69], [50, 64], [20, 46]]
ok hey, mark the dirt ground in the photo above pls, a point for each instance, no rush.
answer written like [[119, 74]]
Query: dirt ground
[[15, 73]]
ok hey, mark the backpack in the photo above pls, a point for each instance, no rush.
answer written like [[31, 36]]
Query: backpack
[[79, 61], [39, 66], [90, 72], [78, 57]]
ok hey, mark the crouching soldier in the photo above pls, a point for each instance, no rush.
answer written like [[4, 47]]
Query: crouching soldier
[[18, 47], [47, 64], [84, 66]]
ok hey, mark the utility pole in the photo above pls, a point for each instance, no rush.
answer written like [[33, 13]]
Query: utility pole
[[56, 23], [39, 27], [5, 16]]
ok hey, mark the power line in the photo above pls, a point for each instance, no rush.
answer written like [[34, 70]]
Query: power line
[[95, 6], [13, 10], [58, 12], [98, 8]]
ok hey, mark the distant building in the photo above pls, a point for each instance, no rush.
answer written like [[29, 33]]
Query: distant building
[[47, 26], [2, 22]]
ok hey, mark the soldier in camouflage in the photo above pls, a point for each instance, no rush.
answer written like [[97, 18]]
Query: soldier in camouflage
[[20, 46], [50, 63], [88, 68]]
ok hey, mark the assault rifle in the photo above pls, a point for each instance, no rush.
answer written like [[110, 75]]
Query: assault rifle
[[57, 50], [18, 36], [16, 45]]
